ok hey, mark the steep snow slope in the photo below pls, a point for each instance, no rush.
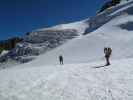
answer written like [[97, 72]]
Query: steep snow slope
[[46, 39], [90, 47], [79, 26], [43, 40]]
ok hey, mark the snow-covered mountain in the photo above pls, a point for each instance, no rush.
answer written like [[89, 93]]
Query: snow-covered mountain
[[111, 28], [82, 77], [45, 39], [90, 46], [42, 40]]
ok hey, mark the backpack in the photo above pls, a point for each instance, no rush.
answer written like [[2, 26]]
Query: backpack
[[109, 51]]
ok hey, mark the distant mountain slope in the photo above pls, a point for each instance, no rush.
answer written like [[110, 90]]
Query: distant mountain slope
[[10, 43], [46, 39], [79, 27], [109, 4], [90, 46]]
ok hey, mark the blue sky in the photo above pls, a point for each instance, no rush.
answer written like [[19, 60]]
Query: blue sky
[[20, 16]]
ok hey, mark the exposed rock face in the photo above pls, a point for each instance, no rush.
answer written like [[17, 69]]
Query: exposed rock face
[[10, 43], [109, 4], [38, 42], [50, 36]]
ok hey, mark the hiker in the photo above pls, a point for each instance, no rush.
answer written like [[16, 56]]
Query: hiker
[[107, 52], [61, 59]]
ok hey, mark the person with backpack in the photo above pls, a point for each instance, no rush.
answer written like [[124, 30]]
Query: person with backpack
[[107, 52], [61, 59]]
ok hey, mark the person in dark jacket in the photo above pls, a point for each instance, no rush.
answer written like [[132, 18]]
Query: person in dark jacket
[[107, 52], [61, 59]]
